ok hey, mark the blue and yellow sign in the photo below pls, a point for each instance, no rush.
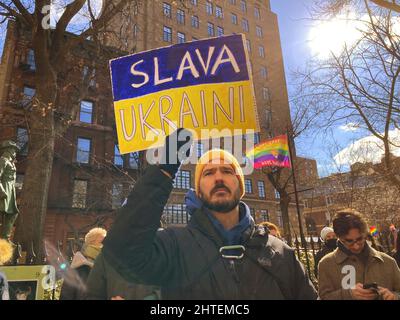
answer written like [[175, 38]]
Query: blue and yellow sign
[[199, 85]]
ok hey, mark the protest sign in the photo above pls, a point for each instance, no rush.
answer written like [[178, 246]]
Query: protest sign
[[204, 84]]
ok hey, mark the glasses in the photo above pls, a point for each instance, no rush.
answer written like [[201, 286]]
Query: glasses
[[351, 242]]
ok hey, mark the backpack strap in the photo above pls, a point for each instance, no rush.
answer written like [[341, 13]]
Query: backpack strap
[[262, 255]]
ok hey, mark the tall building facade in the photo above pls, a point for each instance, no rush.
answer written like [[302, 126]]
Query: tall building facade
[[90, 178]]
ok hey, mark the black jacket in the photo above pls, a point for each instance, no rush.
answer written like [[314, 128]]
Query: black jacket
[[319, 255], [396, 256], [186, 262], [105, 283], [74, 285]]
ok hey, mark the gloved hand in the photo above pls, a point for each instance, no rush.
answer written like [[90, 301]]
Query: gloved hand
[[176, 150]]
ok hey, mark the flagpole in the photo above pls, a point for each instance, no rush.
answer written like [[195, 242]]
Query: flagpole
[[302, 238]]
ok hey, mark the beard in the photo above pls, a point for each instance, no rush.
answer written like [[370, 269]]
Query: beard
[[221, 206]]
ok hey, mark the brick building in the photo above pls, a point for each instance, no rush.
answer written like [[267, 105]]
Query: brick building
[[364, 188]]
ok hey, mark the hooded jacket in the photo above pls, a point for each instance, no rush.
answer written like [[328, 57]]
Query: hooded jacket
[[187, 263]]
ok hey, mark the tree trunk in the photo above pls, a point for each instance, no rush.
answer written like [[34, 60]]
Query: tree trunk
[[37, 175]]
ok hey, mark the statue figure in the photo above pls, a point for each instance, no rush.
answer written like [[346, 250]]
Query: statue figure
[[8, 199]]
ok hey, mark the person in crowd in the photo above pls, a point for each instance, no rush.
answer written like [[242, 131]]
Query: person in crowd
[[329, 244], [220, 254], [355, 270], [6, 252], [75, 281], [396, 255], [374, 243], [104, 283], [272, 228]]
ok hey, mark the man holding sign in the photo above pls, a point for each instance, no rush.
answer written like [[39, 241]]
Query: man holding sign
[[220, 254], [202, 86]]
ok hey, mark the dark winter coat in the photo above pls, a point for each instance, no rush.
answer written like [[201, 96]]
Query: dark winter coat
[[105, 283], [396, 257], [186, 262], [319, 255], [74, 284]]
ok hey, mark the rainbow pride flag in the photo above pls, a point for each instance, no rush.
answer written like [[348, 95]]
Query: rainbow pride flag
[[271, 153], [373, 231]]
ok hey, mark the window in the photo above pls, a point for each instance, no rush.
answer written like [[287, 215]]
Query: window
[[92, 80], [220, 31], [248, 187], [279, 218], [28, 95], [253, 213], [243, 6], [277, 195], [135, 30], [210, 29], [233, 2], [329, 200], [268, 119], [265, 93], [261, 51], [248, 45], [22, 141], [261, 189], [257, 14], [118, 160], [167, 10], [259, 32], [181, 37], [30, 60], [176, 214], [264, 215], [180, 16], [83, 150], [263, 71], [306, 205], [117, 195], [135, 9], [19, 181], [194, 2], [245, 25], [200, 149], [234, 18], [209, 8], [134, 160], [257, 138], [85, 114], [167, 35], [195, 22], [79, 194], [182, 180], [218, 12]]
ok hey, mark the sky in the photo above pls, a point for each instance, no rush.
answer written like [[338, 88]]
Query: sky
[[295, 28]]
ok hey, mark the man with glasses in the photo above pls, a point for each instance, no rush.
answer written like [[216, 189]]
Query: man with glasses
[[355, 271]]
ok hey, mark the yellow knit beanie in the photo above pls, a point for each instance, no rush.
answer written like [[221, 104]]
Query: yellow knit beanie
[[212, 156]]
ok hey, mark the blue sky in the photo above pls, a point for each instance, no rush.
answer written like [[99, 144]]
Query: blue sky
[[294, 27]]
